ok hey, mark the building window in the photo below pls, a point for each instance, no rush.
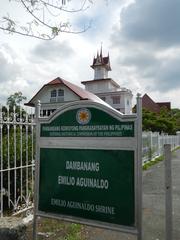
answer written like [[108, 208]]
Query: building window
[[128, 102], [103, 98], [116, 99], [60, 92], [53, 96], [53, 93], [60, 95], [57, 95]]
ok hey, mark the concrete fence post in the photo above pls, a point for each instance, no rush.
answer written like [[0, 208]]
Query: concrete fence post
[[168, 192], [150, 145], [159, 146], [178, 134]]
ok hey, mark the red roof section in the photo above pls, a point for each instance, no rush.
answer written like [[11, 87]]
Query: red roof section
[[82, 93]]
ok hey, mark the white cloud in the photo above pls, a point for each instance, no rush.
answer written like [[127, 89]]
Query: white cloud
[[147, 45], [151, 21], [51, 51]]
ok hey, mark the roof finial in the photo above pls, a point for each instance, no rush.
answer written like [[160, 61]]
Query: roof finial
[[99, 60], [101, 55], [101, 50]]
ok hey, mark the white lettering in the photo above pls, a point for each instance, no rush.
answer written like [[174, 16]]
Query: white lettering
[[105, 209], [85, 166], [65, 180], [92, 183], [58, 202], [79, 205]]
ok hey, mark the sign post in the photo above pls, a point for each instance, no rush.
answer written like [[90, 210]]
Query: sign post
[[168, 191], [139, 165], [87, 169]]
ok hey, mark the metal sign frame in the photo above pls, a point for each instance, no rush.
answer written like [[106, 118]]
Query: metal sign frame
[[111, 143]]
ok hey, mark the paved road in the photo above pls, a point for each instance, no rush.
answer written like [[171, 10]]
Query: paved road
[[153, 206]]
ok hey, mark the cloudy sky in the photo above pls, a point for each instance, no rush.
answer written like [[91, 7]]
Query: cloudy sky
[[141, 36]]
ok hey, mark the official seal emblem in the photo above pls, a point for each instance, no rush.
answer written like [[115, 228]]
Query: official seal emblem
[[83, 116]]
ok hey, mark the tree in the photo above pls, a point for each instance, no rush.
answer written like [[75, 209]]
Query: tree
[[166, 121], [45, 18], [176, 118], [15, 100]]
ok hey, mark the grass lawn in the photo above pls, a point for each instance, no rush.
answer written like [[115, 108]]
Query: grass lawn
[[53, 229]]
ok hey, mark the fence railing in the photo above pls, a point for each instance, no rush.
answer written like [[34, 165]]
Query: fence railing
[[17, 154], [17, 151], [153, 142]]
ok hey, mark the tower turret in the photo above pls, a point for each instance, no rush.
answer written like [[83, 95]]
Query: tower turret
[[101, 66]]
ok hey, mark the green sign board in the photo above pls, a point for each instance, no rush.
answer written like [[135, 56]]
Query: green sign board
[[87, 122], [92, 184]]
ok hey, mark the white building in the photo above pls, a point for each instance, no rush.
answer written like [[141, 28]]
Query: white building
[[106, 88], [58, 92]]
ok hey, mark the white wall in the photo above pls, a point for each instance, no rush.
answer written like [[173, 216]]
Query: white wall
[[122, 106], [128, 107], [100, 86], [96, 87], [100, 73], [45, 94]]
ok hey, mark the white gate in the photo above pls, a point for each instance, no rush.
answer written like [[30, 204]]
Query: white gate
[[17, 134]]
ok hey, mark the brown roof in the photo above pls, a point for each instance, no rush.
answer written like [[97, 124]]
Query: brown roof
[[101, 61], [164, 104], [82, 93], [149, 104], [104, 60]]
